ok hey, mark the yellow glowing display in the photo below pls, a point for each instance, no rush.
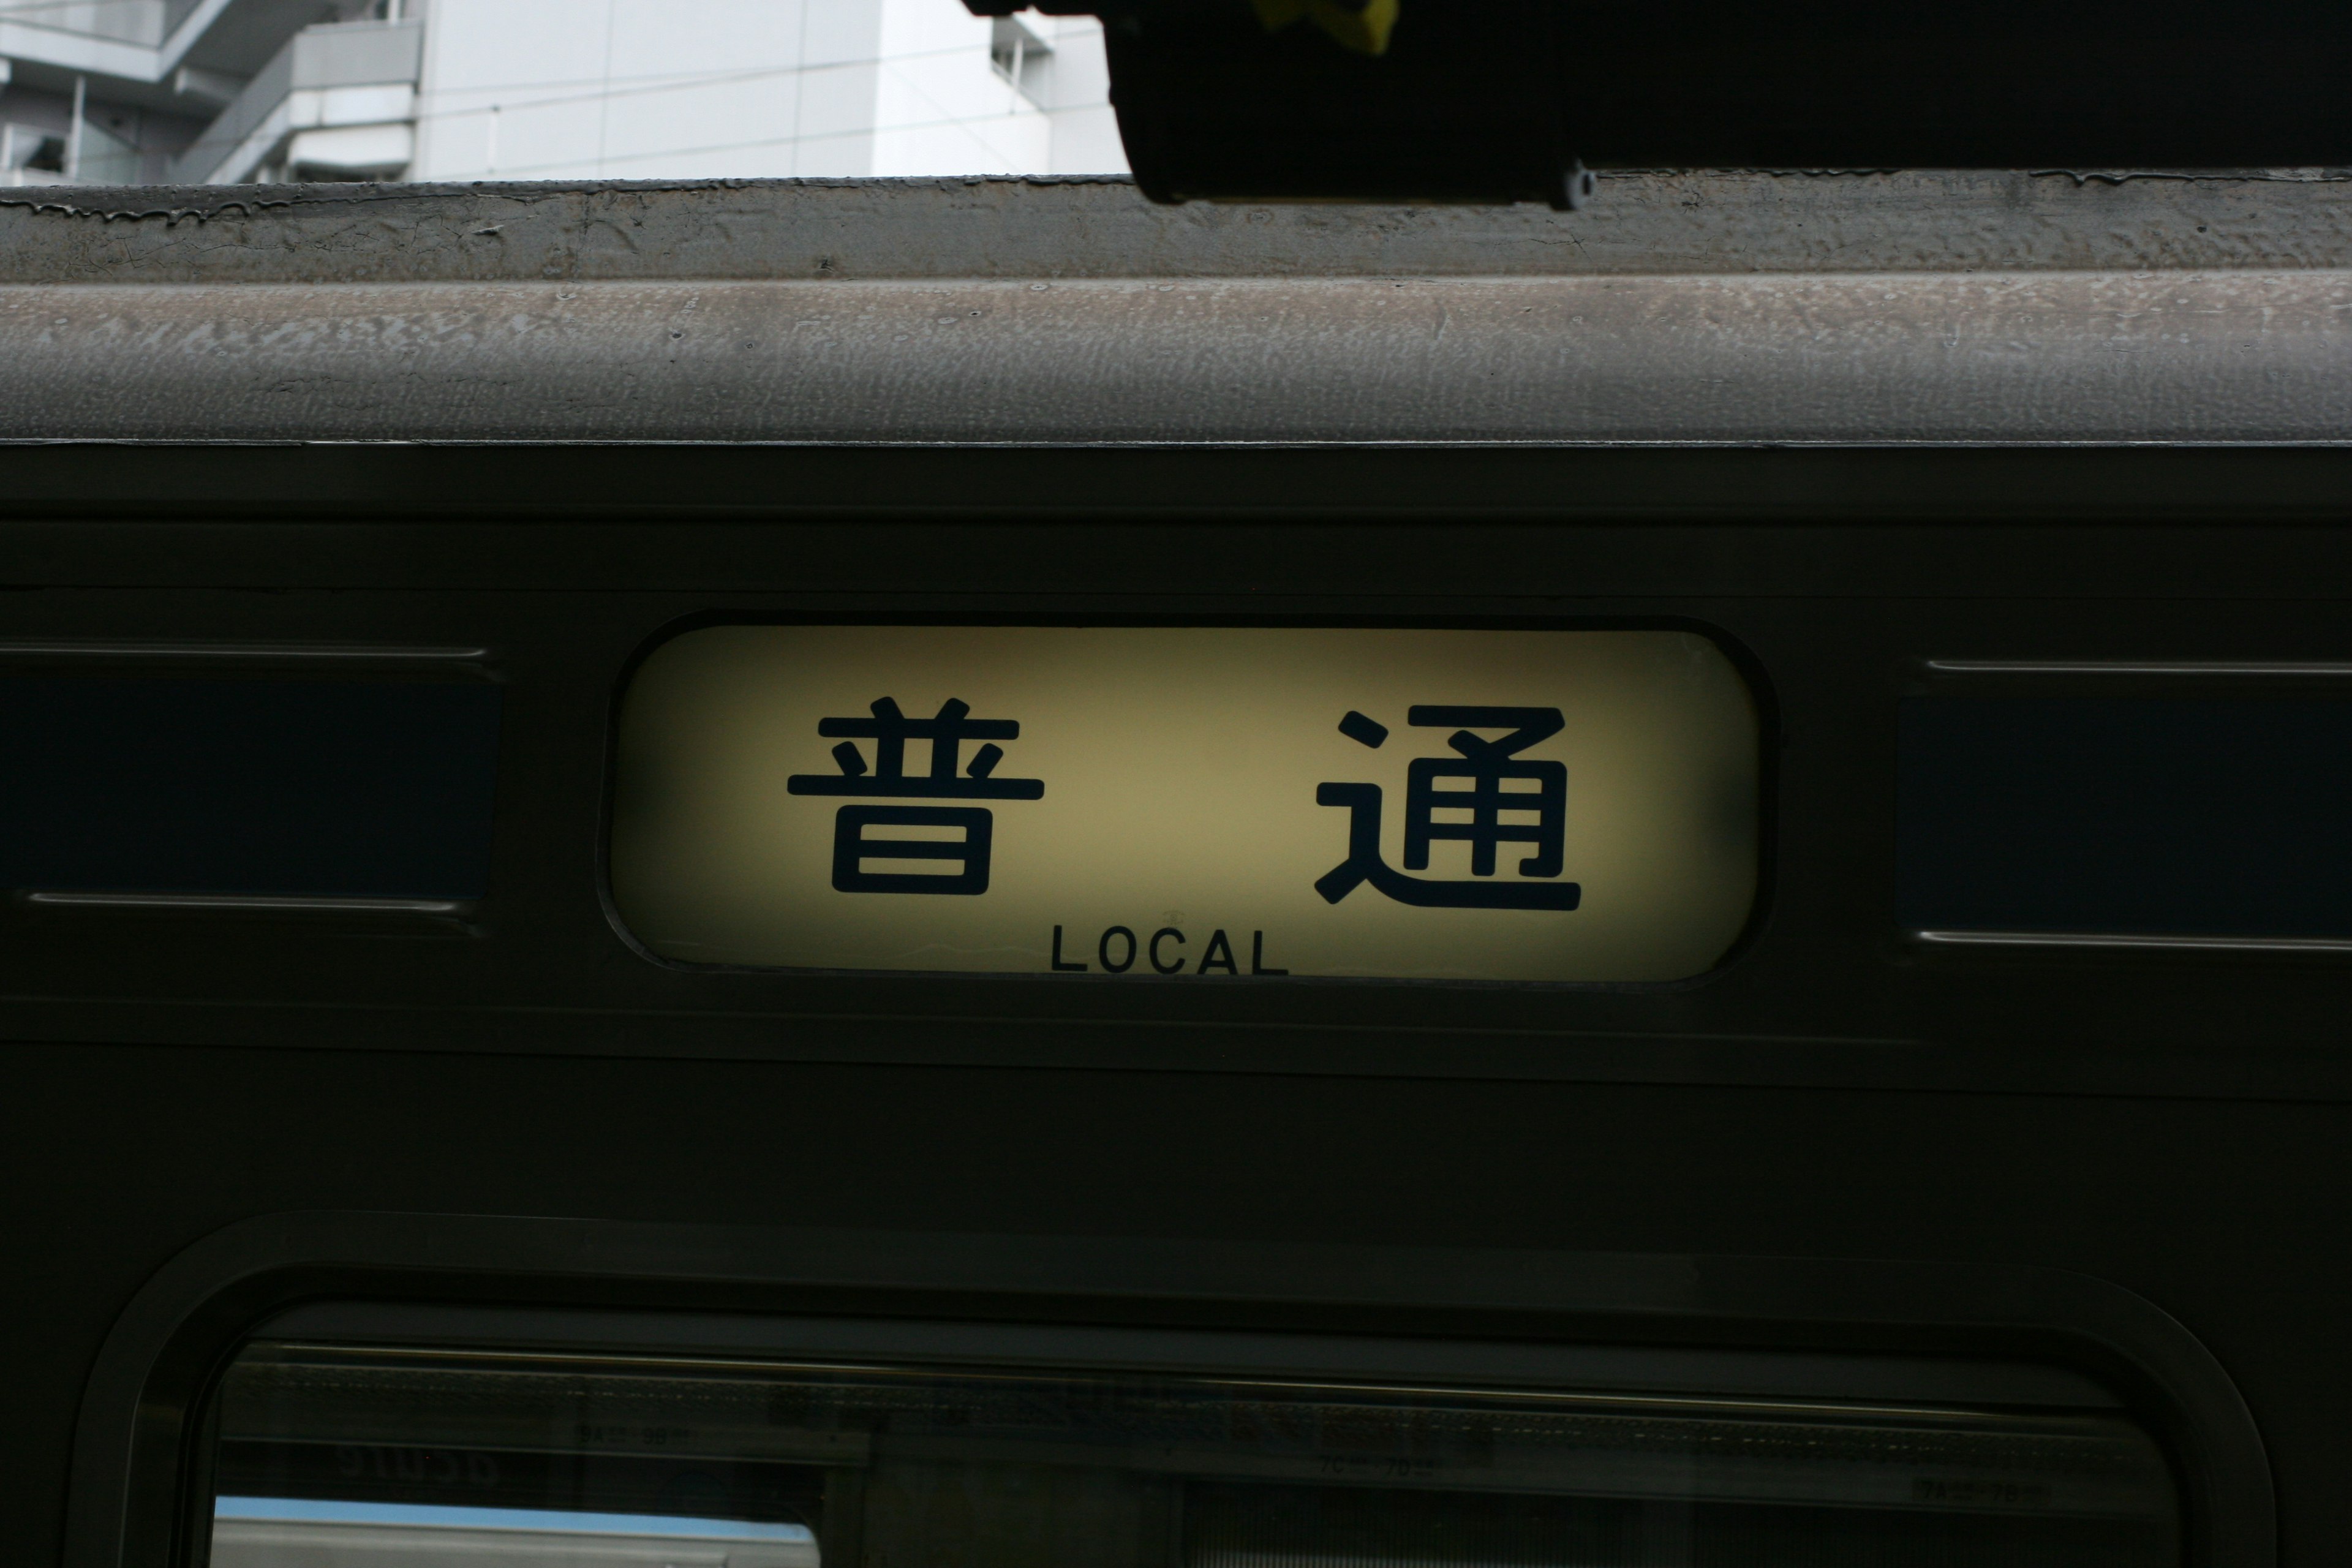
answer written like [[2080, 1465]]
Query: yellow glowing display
[[1204, 803]]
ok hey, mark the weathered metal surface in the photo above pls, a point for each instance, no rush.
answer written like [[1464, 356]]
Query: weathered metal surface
[[2255, 356], [1942, 221], [1721, 308]]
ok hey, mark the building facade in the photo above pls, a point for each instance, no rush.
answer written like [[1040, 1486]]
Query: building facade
[[234, 92]]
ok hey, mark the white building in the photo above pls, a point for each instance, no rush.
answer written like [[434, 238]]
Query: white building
[[211, 91]]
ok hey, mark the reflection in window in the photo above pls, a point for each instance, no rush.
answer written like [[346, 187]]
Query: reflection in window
[[369, 1458], [291, 1532]]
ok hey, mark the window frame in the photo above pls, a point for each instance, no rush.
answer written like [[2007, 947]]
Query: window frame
[[140, 1486]]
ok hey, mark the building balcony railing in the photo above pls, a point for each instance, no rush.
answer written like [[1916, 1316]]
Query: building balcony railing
[[36, 156], [117, 21], [339, 97]]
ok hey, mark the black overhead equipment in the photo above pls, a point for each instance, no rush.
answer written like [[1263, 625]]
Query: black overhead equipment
[[1497, 101]]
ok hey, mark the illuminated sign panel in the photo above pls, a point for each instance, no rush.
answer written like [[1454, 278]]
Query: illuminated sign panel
[[1209, 802]]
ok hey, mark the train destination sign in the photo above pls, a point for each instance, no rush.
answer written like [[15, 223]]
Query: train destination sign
[[1199, 803]]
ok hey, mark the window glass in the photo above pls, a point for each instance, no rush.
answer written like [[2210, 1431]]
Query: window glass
[[123, 788], [2132, 816], [335, 1456]]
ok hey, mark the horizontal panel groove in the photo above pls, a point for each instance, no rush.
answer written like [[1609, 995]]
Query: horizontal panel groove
[[2125, 940], [201, 902], [72, 648]]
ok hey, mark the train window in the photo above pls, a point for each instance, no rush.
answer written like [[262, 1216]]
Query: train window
[[340, 1456], [2164, 817], [1191, 803], [130, 788]]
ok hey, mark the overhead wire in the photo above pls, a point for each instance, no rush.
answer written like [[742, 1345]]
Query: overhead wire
[[667, 84], [590, 90], [946, 120], [529, 170]]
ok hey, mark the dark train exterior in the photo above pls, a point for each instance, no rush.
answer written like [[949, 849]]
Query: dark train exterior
[[1977, 1193]]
